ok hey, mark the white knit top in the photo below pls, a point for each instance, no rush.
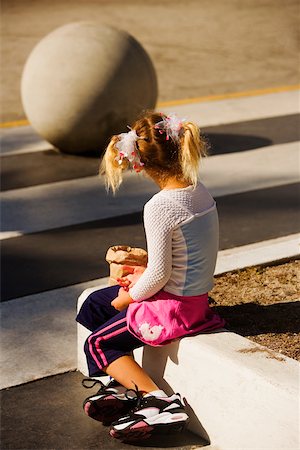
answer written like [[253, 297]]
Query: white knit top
[[182, 233]]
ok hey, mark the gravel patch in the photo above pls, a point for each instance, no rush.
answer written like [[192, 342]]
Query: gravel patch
[[263, 304]]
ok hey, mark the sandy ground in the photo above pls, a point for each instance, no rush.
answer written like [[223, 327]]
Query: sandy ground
[[198, 48], [263, 304]]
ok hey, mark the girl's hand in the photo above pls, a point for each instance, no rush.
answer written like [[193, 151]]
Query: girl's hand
[[130, 280], [122, 301], [125, 282]]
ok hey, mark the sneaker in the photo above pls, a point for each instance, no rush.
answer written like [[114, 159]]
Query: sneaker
[[111, 401], [152, 415]]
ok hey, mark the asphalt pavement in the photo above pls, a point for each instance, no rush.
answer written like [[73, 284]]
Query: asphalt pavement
[[48, 414]]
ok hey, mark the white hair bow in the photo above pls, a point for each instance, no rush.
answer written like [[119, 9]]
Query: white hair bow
[[126, 147], [172, 126]]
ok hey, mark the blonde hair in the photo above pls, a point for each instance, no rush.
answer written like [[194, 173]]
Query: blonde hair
[[161, 158]]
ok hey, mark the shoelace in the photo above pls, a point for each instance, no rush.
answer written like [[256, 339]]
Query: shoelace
[[139, 397], [89, 383]]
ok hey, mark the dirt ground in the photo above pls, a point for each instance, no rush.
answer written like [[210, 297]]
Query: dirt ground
[[198, 48], [263, 304]]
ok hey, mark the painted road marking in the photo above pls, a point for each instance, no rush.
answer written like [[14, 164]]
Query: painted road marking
[[25, 140], [205, 98], [229, 95], [30, 209]]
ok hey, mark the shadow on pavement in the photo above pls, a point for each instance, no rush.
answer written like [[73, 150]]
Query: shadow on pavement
[[220, 143]]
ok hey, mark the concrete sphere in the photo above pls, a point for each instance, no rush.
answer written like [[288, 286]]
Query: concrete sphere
[[83, 83]]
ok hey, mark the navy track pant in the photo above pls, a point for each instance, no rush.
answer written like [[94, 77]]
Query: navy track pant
[[110, 338]]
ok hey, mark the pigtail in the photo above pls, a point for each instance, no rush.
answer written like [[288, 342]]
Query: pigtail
[[111, 168], [166, 145], [193, 148]]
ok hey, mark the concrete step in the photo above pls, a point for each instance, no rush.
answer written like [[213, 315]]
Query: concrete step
[[239, 395]]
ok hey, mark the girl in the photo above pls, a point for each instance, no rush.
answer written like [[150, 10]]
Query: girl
[[169, 299]]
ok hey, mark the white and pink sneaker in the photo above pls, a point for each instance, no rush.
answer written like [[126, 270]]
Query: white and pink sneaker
[[151, 415]]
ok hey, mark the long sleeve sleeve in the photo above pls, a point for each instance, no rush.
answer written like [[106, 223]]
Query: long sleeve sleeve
[[159, 225]]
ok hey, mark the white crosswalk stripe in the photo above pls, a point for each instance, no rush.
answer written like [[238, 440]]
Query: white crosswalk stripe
[[82, 200], [23, 140]]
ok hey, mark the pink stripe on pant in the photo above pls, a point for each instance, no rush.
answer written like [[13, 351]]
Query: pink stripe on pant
[[101, 338]]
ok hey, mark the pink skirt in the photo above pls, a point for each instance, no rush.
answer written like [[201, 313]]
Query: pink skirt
[[166, 317]]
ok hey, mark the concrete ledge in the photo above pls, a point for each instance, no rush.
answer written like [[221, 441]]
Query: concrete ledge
[[240, 395], [263, 252], [82, 332]]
